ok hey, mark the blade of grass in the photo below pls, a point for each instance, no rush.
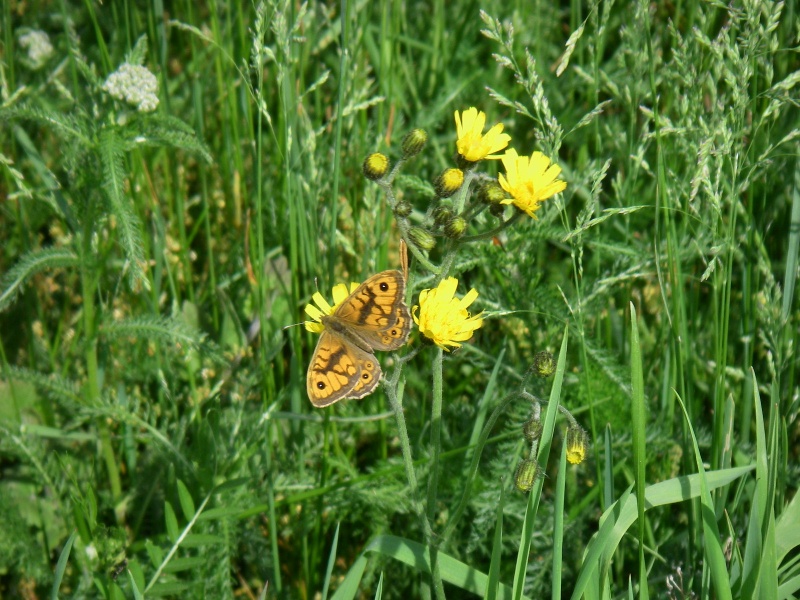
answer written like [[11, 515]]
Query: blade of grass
[[558, 521], [497, 551], [715, 558], [61, 566], [639, 427], [544, 453]]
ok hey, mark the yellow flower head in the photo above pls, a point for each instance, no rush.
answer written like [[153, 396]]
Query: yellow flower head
[[444, 318], [322, 309], [471, 143], [529, 180]]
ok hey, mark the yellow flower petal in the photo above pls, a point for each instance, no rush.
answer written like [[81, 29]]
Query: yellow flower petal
[[339, 292], [443, 317], [472, 144], [529, 180]]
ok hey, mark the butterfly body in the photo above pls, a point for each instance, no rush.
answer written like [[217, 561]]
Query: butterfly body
[[373, 317]]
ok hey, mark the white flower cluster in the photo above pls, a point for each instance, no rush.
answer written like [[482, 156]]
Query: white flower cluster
[[38, 45], [135, 85]]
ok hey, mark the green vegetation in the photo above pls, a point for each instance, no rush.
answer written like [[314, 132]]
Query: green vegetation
[[162, 223]]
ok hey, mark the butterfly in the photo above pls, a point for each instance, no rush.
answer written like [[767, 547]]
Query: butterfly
[[373, 317]]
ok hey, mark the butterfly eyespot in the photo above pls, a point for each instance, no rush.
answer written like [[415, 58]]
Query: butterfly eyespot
[[384, 286], [320, 385], [365, 376], [393, 332]]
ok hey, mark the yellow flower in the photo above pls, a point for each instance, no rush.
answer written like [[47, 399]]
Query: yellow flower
[[316, 313], [529, 180], [444, 318], [471, 143], [375, 166]]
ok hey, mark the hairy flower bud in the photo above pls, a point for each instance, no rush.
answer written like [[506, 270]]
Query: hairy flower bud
[[491, 193], [455, 228], [442, 214], [414, 142], [527, 472], [403, 208], [449, 182], [544, 364], [376, 165], [532, 430], [421, 238], [577, 444]]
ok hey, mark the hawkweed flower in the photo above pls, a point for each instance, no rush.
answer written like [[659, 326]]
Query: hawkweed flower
[[134, 84], [340, 292], [375, 166], [443, 318], [577, 443], [37, 44], [448, 183], [472, 144], [529, 180]]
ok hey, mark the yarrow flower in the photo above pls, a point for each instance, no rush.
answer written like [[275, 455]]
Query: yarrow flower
[[134, 84], [529, 180], [443, 318], [38, 45], [472, 144], [339, 292]]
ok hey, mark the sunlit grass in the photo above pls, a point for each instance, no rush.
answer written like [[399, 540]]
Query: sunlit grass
[[155, 434]]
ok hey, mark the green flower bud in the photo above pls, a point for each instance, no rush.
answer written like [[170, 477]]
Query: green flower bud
[[491, 193], [448, 183], [455, 228], [414, 142], [403, 208], [527, 473], [532, 430], [376, 165], [544, 364], [497, 210], [442, 214], [577, 444], [421, 238]]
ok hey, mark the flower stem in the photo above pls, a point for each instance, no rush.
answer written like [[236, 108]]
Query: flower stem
[[392, 385], [88, 287], [436, 429]]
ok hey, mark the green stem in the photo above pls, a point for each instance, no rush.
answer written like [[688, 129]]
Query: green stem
[[490, 234], [433, 481], [392, 385], [436, 429], [88, 287]]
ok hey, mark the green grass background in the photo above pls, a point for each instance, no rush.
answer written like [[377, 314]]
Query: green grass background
[[155, 442]]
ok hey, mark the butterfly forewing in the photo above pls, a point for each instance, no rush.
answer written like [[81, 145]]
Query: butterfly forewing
[[373, 317], [378, 314]]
